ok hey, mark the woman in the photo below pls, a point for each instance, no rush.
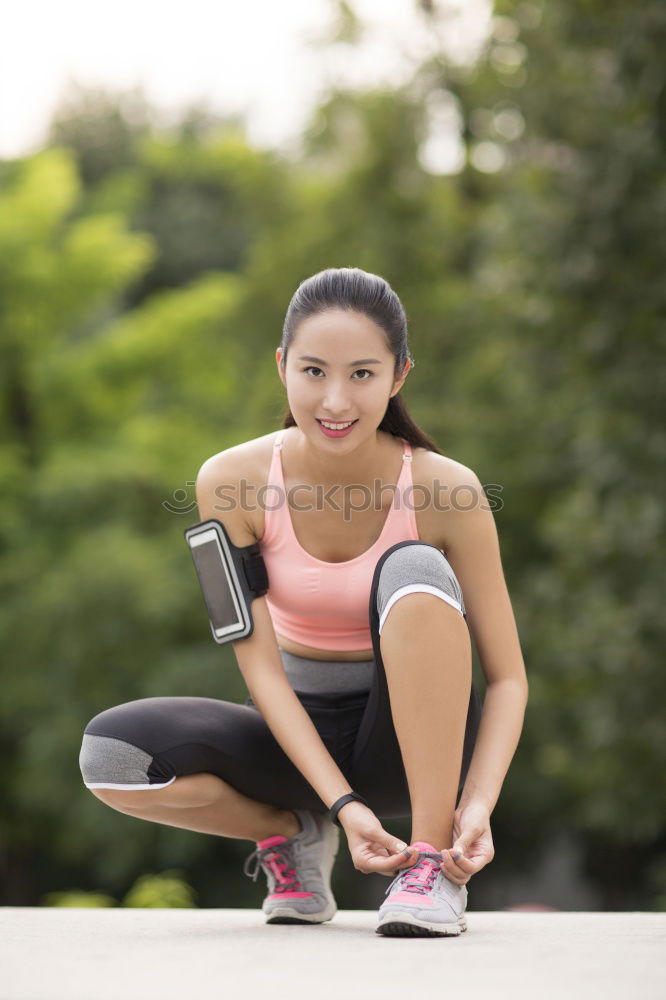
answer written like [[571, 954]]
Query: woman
[[359, 667]]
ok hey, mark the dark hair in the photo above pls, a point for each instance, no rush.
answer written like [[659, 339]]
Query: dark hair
[[355, 290]]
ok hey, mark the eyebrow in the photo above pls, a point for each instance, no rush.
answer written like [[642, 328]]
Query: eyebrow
[[363, 361]]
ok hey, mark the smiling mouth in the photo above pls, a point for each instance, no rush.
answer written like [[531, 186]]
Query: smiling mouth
[[343, 424]]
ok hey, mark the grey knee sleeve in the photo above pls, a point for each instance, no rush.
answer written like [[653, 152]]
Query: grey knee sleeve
[[106, 762], [418, 568]]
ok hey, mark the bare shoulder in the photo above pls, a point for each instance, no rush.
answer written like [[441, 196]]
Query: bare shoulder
[[430, 468], [443, 487], [242, 457], [447, 468], [226, 486]]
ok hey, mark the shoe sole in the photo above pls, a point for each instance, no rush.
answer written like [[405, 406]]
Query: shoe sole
[[398, 923], [288, 915], [285, 914]]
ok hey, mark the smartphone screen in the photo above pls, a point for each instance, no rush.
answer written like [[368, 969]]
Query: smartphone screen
[[218, 593]]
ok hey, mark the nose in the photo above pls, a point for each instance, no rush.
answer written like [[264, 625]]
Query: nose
[[336, 402]]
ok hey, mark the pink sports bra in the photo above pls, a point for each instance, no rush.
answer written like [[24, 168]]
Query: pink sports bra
[[324, 604]]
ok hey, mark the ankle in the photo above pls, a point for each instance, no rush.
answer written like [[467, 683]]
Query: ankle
[[282, 822], [430, 837], [292, 823]]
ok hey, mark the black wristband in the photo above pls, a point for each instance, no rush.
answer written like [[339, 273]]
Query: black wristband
[[343, 800]]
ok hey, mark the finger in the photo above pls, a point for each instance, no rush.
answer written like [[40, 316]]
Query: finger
[[396, 846], [452, 873], [392, 864], [401, 854], [401, 863], [459, 869], [476, 865], [468, 864], [459, 872], [451, 858], [464, 867], [401, 859]]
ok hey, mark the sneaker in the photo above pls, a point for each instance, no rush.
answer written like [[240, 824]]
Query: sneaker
[[298, 870], [422, 901]]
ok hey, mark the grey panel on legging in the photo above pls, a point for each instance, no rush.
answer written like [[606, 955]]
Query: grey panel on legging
[[327, 676], [108, 762], [417, 567]]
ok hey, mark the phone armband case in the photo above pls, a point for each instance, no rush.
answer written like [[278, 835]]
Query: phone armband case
[[230, 577]]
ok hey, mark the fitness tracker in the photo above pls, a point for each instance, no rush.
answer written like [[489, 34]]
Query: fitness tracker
[[337, 805]]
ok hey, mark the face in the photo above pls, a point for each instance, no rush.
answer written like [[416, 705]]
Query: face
[[352, 380]]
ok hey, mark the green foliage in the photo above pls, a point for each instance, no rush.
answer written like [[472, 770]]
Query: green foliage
[[165, 890], [78, 899], [168, 890], [57, 269]]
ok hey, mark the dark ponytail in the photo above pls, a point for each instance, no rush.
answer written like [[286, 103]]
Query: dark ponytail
[[359, 291]]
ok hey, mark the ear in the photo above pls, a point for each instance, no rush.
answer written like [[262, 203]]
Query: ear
[[278, 361], [399, 382]]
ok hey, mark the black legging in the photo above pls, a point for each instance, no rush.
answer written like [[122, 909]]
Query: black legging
[[150, 741]]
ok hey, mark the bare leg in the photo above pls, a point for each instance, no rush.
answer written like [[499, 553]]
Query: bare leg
[[206, 804], [427, 655]]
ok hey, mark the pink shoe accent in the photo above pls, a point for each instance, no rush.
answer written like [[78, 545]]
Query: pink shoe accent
[[419, 879], [271, 841], [410, 897], [283, 875]]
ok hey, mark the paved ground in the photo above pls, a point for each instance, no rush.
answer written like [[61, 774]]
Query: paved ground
[[128, 954]]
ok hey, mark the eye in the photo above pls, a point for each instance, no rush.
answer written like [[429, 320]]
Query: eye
[[314, 368]]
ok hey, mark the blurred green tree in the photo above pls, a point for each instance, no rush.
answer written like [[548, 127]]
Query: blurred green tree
[[192, 182], [573, 96], [102, 422], [167, 890]]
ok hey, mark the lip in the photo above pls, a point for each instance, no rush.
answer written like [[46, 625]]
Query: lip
[[336, 434]]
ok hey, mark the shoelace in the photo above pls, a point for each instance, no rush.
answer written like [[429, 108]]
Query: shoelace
[[420, 877], [280, 861]]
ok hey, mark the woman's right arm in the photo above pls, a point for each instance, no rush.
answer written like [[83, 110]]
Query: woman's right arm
[[261, 666], [258, 655]]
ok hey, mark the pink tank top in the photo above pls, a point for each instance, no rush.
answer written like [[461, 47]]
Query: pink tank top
[[324, 604]]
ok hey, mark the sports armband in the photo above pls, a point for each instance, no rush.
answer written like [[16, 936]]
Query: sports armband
[[231, 577]]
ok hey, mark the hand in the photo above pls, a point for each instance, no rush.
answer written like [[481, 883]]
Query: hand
[[373, 849], [472, 841]]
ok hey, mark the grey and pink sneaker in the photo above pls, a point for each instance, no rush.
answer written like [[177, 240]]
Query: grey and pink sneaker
[[298, 870], [422, 901]]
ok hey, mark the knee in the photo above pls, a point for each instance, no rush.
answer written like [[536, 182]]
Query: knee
[[112, 797], [416, 568], [115, 766]]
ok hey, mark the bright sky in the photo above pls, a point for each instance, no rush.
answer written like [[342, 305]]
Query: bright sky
[[250, 57]]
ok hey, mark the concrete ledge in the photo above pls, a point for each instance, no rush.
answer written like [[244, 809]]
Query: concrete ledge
[[109, 954]]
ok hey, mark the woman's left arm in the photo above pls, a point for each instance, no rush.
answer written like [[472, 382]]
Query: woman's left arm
[[472, 548]]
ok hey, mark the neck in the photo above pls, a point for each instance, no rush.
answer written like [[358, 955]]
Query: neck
[[334, 466]]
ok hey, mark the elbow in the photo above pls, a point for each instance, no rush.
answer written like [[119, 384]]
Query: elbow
[[521, 685], [518, 685]]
